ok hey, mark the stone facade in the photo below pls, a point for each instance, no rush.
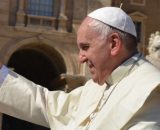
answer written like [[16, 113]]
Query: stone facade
[[44, 47], [144, 12]]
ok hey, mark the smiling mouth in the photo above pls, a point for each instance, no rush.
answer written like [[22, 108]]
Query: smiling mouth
[[91, 67]]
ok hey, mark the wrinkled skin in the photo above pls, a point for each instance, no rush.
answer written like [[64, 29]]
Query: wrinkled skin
[[102, 55], [94, 51]]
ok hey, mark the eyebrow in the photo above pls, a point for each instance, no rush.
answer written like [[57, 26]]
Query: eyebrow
[[83, 44]]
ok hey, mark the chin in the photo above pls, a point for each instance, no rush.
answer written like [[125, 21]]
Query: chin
[[95, 79]]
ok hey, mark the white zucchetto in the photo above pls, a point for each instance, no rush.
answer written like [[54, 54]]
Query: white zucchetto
[[115, 17]]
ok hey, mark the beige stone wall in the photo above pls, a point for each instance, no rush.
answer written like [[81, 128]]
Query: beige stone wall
[[63, 41], [16, 38], [11, 34], [61, 37], [147, 13], [151, 11], [58, 40]]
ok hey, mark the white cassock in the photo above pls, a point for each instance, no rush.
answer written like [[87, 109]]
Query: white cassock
[[130, 100]]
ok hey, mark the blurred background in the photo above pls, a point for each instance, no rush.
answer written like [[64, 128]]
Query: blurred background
[[38, 41]]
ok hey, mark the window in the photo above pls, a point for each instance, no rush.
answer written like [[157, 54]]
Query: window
[[138, 2], [139, 21], [40, 13], [40, 7], [138, 26]]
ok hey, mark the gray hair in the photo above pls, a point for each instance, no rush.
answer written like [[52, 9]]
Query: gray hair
[[104, 30]]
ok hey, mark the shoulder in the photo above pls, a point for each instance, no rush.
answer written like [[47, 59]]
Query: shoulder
[[147, 71]]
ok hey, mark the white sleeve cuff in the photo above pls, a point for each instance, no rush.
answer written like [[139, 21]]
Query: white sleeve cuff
[[3, 74]]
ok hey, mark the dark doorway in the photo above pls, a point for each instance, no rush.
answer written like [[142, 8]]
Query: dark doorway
[[37, 67]]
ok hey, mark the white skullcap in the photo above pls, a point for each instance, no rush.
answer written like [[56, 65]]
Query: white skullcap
[[115, 17]]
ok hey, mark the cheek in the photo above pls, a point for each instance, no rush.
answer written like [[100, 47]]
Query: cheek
[[100, 61], [104, 59], [99, 56]]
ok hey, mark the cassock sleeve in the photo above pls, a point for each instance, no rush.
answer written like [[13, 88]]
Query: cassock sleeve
[[28, 101]]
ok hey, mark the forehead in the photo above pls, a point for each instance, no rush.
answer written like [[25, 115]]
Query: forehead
[[84, 25], [86, 31]]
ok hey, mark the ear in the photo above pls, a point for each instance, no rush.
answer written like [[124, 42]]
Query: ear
[[115, 43]]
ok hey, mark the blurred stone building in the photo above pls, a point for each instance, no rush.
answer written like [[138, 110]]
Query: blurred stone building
[[38, 40]]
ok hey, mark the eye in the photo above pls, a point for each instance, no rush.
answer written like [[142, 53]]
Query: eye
[[84, 47]]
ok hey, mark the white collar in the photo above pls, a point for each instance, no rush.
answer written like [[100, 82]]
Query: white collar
[[125, 69]]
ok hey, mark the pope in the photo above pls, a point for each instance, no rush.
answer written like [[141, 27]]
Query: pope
[[123, 94]]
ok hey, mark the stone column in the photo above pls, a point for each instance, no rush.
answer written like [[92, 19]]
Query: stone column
[[62, 17], [21, 14]]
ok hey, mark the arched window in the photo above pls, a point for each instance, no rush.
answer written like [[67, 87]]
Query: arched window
[[139, 21], [138, 26], [40, 7]]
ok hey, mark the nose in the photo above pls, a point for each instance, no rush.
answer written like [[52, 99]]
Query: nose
[[82, 57]]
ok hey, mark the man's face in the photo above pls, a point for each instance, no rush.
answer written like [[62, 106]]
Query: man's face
[[94, 51]]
